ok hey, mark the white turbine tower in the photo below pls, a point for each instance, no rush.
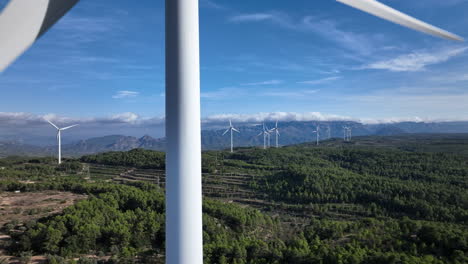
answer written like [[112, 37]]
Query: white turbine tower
[[347, 133], [268, 136], [59, 139], [231, 129], [317, 131], [277, 133], [265, 134], [22, 22]]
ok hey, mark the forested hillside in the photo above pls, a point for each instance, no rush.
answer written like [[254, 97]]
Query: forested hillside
[[352, 203]]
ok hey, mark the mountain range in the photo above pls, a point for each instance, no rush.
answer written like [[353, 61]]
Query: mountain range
[[290, 133]]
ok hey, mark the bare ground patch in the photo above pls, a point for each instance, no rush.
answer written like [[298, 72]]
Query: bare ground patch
[[24, 207]]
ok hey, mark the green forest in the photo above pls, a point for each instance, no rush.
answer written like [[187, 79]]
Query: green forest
[[330, 204]]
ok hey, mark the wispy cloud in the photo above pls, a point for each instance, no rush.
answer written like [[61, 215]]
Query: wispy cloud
[[321, 81], [361, 43], [227, 92], [255, 17], [84, 29], [125, 94], [416, 61], [212, 4], [269, 82]]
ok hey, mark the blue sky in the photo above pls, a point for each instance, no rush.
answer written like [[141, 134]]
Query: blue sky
[[105, 61]]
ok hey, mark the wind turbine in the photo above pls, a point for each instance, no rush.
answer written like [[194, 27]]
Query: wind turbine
[[231, 129], [328, 132], [277, 133], [59, 139], [317, 131], [347, 133], [22, 22], [265, 134], [268, 136]]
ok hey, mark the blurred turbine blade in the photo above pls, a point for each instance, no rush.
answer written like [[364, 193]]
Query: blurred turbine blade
[[52, 124], [236, 130], [22, 22], [226, 131], [378, 9], [68, 127]]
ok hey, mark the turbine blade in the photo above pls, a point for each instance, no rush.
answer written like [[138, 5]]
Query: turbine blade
[[226, 131], [236, 130], [68, 127], [22, 22], [52, 124], [378, 9], [261, 133]]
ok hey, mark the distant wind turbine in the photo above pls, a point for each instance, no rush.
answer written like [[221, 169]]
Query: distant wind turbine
[[231, 129], [317, 131], [265, 134], [59, 139], [347, 133], [22, 22], [268, 136], [277, 133]]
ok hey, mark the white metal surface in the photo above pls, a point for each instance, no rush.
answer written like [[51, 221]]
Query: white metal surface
[[383, 11], [59, 143], [23, 21], [59, 139], [184, 235], [231, 129]]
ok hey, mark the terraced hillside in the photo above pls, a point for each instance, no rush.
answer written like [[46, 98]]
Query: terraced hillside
[[347, 203]]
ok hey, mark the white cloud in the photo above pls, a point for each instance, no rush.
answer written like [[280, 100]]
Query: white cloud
[[321, 81], [125, 94], [416, 61], [270, 82], [125, 117], [28, 119], [274, 116], [255, 17], [24, 121]]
